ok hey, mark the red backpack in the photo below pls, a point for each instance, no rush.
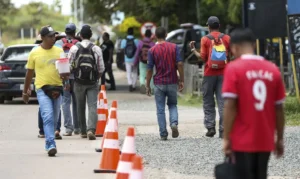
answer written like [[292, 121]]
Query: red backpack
[[68, 43], [144, 52]]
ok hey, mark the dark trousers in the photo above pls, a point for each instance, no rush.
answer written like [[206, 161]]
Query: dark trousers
[[212, 86], [252, 165], [108, 70], [40, 122]]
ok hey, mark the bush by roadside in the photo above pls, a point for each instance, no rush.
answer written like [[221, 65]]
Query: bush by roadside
[[190, 100], [292, 107], [292, 111]]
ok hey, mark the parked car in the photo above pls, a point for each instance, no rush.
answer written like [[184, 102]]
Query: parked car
[[13, 71], [177, 36], [1, 48], [120, 55], [180, 37]]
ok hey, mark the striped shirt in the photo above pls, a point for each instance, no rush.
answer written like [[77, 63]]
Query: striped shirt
[[165, 57]]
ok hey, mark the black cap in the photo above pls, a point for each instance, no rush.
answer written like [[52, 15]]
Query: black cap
[[213, 20], [47, 30], [86, 29], [71, 27]]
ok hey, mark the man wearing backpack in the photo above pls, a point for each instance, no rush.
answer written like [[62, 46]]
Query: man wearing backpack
[[87, 66], [141, 58], [107, 49], [215, 53], [130, 46], [69, 95]]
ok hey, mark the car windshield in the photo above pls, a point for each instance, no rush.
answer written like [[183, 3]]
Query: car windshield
[[16, 53]]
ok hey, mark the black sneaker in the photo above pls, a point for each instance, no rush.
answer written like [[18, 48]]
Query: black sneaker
[[83, 135], [91, 135], [52, 151], [221, 135], [211, 132], [175, 132], [130, 88], [76, 132], [58, 136], [163, 138]]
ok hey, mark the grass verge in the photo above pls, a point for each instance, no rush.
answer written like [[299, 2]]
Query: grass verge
[[292, 107], [190, 100], [292, 111]]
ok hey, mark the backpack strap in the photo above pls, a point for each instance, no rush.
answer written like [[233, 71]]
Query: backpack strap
[[210, 37], [221, 35], [127, 39], [74, 41], [64, 40], [90, 47]]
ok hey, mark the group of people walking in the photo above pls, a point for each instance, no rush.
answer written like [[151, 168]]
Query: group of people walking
[[249, 92], [54, 90], [249, 89]]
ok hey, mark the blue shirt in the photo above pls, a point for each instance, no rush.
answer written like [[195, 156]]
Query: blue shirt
[[123, 45]]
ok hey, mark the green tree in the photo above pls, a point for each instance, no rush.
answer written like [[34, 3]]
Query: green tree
[[7, 8], [36, 15], [32, 15], [97, 10], [178, 11]]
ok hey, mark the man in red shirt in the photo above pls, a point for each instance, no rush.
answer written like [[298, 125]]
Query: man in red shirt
[[254, 93], [213, 75]]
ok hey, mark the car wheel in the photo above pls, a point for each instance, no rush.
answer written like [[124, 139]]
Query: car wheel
[[2, 100]]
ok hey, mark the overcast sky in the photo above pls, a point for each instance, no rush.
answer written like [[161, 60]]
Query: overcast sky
[[66, 4]]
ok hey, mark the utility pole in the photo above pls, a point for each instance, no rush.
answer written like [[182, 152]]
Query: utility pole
[[245, 12], [81, 13], [165, 22], [198, 11], [75, 12]]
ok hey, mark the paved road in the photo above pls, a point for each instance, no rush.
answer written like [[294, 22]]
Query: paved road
[[21, 152], [22, 155]]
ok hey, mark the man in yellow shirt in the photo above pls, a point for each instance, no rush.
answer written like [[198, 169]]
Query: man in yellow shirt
[[48, 83]]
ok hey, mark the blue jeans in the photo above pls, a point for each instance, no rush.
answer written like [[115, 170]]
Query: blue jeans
[[70, 121], [162, 92], [41, 124], [50, 110]]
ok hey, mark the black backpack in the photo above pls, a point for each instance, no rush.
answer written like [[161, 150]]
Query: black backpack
[[130, 48], [85, 67]]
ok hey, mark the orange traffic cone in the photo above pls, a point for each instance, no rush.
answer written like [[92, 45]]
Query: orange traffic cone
[[101, 123], [137, 168], [106, 108], [114, 106], [103, 90], [111, 150], [128, 152]]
